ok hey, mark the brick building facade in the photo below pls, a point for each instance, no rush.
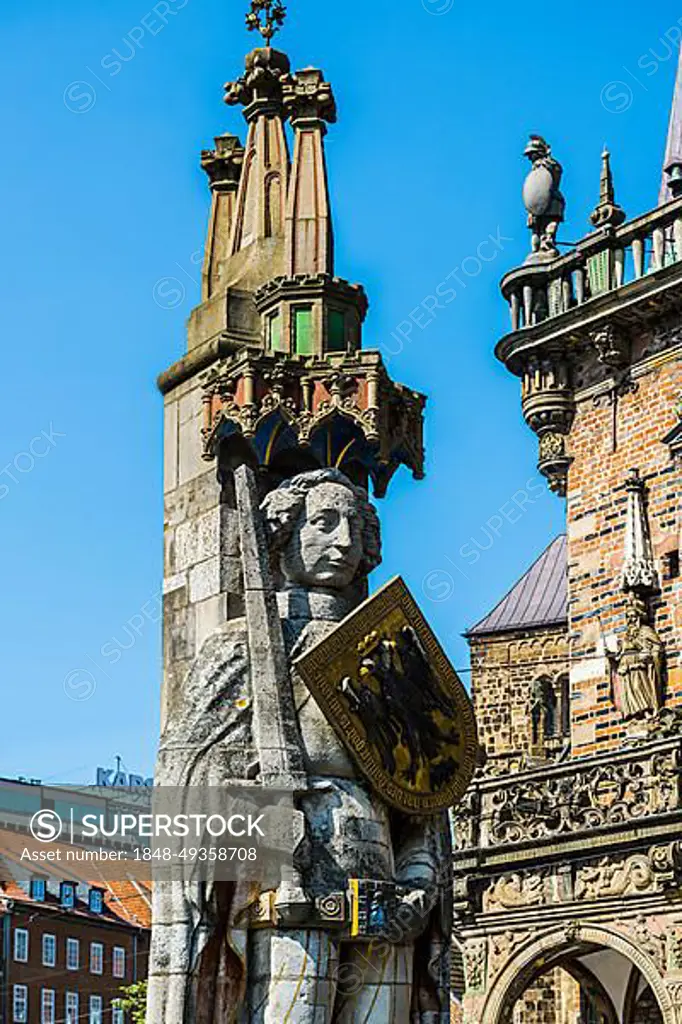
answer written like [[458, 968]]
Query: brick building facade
[[568, 860], [68, 948], [74, 929]]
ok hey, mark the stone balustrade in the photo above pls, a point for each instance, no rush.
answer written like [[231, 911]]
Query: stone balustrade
[[603, 261]]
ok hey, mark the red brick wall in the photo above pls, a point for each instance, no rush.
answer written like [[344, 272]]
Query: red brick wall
[[596, 523], [62, 925]]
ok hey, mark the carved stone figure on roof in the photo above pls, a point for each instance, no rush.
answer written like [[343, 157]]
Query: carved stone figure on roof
[[543, 199]]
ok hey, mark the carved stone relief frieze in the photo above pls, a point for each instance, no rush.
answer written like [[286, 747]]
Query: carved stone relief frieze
[[609, 877], [518, 889]]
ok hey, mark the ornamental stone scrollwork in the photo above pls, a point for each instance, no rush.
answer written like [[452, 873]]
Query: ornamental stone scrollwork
[[614, 878], [475, 965], [552, 447], [605, 794], [655, 871], [518, 889]]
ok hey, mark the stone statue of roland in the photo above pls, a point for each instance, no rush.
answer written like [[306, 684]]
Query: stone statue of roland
[[208, 964]]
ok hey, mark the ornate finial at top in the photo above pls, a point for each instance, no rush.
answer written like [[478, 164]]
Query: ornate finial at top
[[671, 185], [266, 17], [543, 200], [607, 212]]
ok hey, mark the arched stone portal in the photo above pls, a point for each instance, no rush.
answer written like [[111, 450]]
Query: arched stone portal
[[608, 955]]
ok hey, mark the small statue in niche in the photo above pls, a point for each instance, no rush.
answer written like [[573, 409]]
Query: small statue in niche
[[543, 710], [543, 199], [637, 660]]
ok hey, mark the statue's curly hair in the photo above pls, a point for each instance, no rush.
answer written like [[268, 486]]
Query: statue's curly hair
[[282, 509]]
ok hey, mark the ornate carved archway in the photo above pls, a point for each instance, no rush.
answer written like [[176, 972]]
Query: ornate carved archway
[[552, 946]]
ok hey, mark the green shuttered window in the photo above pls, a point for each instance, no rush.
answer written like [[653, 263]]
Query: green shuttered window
[[303, 331], [336, 331]]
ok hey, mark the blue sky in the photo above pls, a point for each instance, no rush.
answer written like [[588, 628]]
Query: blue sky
[[105, 111]]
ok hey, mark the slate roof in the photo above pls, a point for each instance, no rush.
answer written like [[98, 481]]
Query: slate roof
[[540, 598]]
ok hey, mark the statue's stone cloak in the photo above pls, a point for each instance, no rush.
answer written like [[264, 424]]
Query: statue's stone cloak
[[199, 942]]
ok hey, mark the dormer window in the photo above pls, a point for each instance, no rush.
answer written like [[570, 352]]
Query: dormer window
[[96, 901], [68, 894], [38, 890]]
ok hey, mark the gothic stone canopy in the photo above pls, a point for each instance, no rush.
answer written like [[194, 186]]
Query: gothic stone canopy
[[294, 414]]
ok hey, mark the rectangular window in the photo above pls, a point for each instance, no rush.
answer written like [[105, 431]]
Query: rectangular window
[[119, 962], [68, 894], [275, 333], [303, 331], [73, 948], [116, 1015], [95, 1010], [38, 890], [21, 945], [47, 1006], [96, 958], [20, 1004], [96, 901], [336, 331], [71, 1008], [49, 950]]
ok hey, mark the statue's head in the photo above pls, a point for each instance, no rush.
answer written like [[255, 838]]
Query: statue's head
[[635, 611], [537, 148], [324, 530]]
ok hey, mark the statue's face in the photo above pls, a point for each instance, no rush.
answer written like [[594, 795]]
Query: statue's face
[[326, 547]]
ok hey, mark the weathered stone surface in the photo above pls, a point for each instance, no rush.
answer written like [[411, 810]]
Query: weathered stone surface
[[226, 723]]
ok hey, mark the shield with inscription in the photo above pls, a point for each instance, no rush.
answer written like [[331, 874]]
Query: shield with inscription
[[388, 689]]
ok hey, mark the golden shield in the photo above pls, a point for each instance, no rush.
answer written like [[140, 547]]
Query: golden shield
[[386, 686]]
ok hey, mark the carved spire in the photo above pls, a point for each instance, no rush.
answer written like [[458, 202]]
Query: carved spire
[[309, 101], [607, 212], [671, 185], [639, 569], [269, 279], [261, 200], [223, 166]]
